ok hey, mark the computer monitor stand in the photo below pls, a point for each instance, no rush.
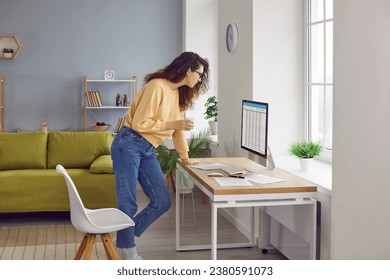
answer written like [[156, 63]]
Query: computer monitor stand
[[269, 167]]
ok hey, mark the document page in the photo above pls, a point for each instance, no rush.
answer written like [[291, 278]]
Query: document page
[[208, 166], [232, 182], [262, 179]]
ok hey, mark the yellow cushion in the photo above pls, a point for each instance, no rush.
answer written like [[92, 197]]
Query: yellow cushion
[[102, 164], [24, 150], [77, 149]]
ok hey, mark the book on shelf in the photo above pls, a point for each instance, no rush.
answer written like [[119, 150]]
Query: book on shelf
[[119, 124], [94, 99], [99, 99], [89, 101]]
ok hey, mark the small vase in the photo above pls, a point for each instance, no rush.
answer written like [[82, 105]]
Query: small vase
[[213, 127], [306, 164]]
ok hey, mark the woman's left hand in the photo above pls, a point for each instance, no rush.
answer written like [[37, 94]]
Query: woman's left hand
[[189, 161]]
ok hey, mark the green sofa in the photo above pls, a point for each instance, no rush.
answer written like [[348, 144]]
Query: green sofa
[[30, 183]]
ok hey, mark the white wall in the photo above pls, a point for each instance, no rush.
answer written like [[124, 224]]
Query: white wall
[[278, 41], [235, 76], [200, 35], [361, 177]]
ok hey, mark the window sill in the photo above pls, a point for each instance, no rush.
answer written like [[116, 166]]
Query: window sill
[[320, 174]]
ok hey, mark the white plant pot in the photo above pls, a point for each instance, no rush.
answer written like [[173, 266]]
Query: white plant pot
[[306, 164], [213, 127], [7, 55]]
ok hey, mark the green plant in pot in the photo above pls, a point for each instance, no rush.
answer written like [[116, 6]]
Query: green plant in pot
[[212, 113], [197, 146], [305, 151]]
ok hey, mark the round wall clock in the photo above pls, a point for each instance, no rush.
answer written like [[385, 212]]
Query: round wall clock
[[109, 75], [232, 37]]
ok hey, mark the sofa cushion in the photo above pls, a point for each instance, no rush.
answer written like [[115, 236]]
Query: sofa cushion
[[102, 164], [77, 149], [24, 150]]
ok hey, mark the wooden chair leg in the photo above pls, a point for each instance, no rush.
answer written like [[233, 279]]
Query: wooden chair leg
[[86, 247], [89, 247], [109, 247], [81, 248]]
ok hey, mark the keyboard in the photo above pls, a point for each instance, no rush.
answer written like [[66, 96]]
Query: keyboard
[[233, 170]]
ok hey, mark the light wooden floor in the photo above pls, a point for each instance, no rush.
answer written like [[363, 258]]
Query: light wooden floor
[[158, 242]]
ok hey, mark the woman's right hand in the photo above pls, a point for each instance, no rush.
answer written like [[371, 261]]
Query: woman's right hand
[[180, 125]]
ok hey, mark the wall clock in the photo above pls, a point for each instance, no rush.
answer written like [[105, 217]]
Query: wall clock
[[109, 75], [232, 37]]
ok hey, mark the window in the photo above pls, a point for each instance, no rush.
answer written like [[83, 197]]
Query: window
[[319, 78]]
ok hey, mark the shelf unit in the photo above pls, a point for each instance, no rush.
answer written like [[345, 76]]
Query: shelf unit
[[9, 42], [2, 81], [107, 91]]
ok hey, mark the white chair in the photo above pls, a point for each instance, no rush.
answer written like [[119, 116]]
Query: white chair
[[94, 222]]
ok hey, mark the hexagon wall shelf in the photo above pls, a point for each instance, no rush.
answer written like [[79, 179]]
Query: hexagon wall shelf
[[9, 42]]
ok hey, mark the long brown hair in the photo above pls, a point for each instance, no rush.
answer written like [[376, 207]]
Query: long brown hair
[[176, 72]]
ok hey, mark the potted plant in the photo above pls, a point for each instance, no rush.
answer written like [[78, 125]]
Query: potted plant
[[197, 145], [8, 53], [212, 113], [305, 151]]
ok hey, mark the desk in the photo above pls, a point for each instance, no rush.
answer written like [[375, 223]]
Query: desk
[[293, 191]]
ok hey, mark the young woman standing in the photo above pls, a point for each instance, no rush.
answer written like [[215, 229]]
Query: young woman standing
[[156, 114]]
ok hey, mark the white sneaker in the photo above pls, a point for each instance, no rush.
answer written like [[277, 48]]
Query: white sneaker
[[124, 253]]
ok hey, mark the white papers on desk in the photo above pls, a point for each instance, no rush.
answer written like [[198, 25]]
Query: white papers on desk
[[262, 179], [210, 166], [232, 182]]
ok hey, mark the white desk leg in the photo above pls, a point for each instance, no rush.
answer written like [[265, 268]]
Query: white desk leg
[[264, 234], [214, 212], [252, 225], [313, 245], [177, 213]]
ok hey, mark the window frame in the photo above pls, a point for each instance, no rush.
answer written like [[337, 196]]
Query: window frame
[[326, 155]]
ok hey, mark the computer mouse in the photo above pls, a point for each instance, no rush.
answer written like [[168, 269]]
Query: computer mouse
[[215, 174]]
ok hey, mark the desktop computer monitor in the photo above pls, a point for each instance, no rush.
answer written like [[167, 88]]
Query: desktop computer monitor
[[254, 130]]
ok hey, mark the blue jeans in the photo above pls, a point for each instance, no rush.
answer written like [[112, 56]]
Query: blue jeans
[[134, 159]]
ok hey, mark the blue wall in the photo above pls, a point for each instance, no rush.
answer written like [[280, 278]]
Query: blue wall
[[64, 40]]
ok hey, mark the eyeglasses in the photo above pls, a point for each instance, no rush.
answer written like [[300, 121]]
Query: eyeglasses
[[201, 75]]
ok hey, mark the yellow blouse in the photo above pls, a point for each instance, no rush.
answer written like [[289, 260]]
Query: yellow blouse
[[154, 106]]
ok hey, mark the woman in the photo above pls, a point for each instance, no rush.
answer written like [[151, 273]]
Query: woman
[[156, 114]]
